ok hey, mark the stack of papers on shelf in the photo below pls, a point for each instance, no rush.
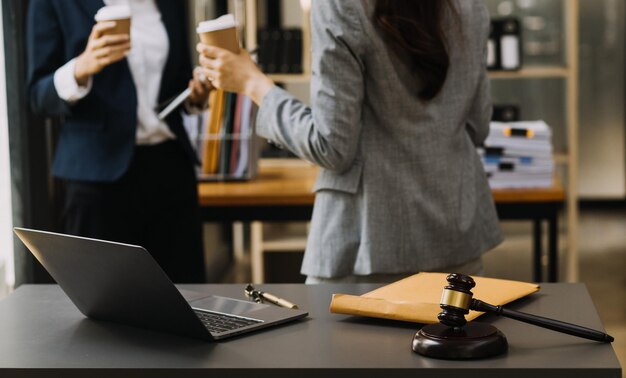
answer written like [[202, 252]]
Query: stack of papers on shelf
[[518, 155], [417, 298], [225, 141]]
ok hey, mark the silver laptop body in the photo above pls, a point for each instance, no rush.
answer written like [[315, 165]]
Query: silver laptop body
[[122, 283]]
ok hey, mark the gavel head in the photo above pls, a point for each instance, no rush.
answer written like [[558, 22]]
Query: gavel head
[[456, 300]]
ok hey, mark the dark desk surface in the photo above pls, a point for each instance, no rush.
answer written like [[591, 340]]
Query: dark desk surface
[[43, 335]]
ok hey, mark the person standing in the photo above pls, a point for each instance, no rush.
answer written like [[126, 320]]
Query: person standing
[[399, 101], [128, 176]]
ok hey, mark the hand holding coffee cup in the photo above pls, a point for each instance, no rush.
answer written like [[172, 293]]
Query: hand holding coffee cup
[[109, 42], [225, 64]]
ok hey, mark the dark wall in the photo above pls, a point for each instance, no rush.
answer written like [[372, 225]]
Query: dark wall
[[30, 143]]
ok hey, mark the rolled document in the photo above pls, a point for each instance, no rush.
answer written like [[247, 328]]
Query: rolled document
[[181, 97], [174, 104]]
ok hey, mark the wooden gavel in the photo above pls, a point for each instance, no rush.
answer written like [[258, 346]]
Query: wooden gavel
[[457, 299]]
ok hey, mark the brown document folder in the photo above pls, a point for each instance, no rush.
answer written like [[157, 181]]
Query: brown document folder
[[416, 298]]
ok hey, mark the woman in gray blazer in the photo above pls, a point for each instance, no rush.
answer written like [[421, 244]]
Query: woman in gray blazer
[[399, 102]]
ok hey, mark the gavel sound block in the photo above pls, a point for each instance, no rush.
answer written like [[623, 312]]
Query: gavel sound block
[[454, 338]]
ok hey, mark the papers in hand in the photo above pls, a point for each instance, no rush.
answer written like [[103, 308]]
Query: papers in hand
[[174, 104], [181, 97]]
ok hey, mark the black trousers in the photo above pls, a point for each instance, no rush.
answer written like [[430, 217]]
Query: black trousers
[[154, 205]]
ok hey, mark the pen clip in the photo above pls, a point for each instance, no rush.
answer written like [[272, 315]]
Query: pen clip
[[250, 292], [258, 296]]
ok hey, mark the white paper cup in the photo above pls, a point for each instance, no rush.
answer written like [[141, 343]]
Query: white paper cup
[[120, 14], [221, 32]]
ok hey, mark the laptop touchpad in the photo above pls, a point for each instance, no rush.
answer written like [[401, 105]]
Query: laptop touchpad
[[227, 305]]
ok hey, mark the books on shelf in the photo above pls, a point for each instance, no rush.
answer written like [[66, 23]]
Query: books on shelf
[[226, 141], [504, 46], [518, 155], [506, 113], [280, 50]]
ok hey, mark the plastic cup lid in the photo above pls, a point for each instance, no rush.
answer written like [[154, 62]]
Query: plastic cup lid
[[113, 12], [224, 22]]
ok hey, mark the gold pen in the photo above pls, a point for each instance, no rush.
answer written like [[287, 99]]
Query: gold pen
[[259, 295], [277, 300]]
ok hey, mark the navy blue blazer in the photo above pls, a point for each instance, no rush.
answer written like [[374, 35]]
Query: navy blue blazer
[[97, 138]]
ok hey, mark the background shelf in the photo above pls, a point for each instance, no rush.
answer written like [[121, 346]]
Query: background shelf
[[532, 73], [290, 78]]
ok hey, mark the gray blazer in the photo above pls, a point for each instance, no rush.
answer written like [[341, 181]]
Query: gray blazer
[[402, 188]]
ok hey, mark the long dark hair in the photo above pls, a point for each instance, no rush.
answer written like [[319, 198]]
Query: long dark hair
[[413, 29]]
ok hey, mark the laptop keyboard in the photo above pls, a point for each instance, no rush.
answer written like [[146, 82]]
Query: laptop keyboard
[[218, 323]]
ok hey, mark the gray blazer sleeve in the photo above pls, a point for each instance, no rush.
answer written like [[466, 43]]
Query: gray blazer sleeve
[[326, 133], [481, 110]]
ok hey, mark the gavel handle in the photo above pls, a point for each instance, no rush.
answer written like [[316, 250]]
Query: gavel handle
[[555, 325]]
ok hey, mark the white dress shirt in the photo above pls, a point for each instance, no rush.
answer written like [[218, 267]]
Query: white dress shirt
[[146, 60]]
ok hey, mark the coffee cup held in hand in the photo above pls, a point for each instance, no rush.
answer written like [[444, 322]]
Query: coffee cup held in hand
[[120, 14], [221, 32]]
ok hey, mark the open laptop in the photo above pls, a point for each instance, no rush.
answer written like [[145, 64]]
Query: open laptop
[[122, 283]]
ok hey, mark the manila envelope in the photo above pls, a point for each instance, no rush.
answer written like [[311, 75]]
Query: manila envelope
[[416, 298]]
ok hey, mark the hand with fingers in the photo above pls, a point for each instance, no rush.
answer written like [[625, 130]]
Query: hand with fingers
[[200, 88], [234, 72], [102, 50]]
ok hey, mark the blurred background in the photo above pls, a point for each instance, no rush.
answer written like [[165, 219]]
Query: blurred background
[[580, 96]]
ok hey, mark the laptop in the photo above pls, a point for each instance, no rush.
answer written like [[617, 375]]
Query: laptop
[[122, 283]]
